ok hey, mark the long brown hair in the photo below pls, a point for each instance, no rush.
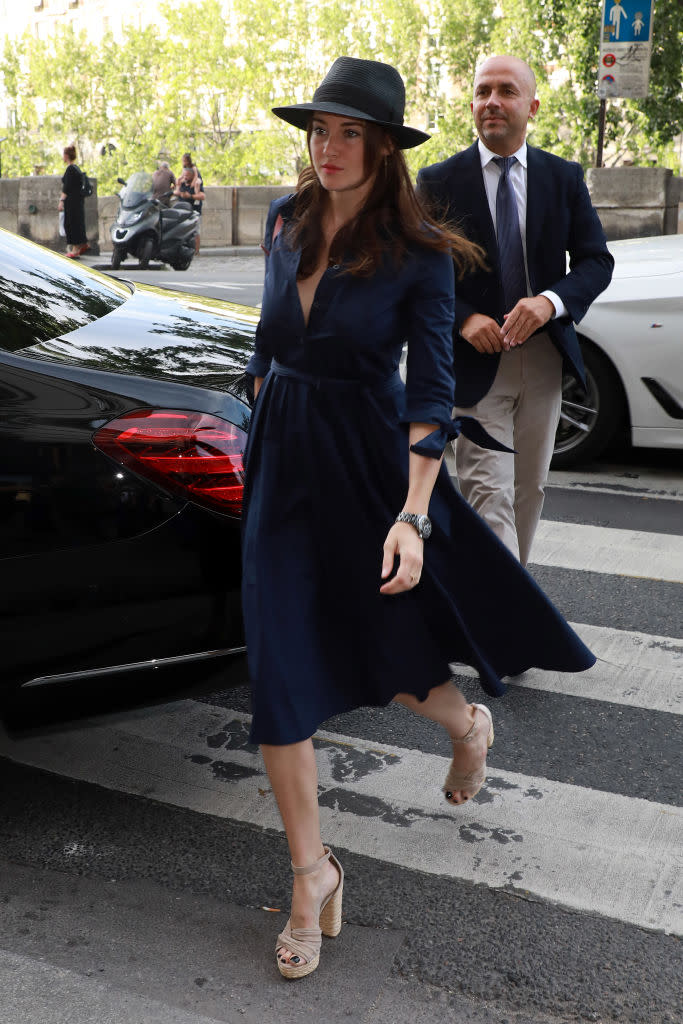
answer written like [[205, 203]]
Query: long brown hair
[[391, 219]]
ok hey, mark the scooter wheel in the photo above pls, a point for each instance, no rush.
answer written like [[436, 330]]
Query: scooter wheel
[[182, 263], [117, 257], [146, 250]]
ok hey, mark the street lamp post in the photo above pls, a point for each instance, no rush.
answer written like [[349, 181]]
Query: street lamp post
[[3, 139]]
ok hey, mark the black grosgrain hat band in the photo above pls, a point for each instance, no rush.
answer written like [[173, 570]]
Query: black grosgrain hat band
[[364, 89]]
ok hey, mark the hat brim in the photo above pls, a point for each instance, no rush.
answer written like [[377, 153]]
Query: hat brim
[[299, 115]]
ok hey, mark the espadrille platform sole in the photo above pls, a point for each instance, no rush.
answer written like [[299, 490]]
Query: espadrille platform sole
[[305, 943]]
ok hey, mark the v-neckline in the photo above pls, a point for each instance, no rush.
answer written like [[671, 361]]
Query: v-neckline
[[307, 319]]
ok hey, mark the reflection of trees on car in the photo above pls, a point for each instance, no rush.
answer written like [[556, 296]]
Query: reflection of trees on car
[[31, 312], [227, 340], [22, 321], [182, 361]]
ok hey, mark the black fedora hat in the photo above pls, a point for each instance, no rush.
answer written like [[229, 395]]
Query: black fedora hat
[[366, 89]]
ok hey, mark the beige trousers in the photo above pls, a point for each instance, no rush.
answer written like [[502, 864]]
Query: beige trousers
[[522, 410]]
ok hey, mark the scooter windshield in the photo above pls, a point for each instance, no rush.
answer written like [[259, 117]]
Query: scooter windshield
[[138, 189]]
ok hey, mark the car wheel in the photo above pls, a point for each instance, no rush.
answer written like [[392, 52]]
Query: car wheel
[[117, 257], [591, 417], [145, 253]]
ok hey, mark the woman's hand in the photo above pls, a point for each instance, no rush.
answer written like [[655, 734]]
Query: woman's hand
[[258, 381], [403, 542]]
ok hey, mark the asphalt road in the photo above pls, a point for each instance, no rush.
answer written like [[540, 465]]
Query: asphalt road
[[144, 873], [236, 278]]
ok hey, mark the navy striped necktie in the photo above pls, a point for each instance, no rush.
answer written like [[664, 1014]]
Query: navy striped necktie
[[510, 251]]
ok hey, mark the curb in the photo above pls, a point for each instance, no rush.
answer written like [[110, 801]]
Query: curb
[[228, 250]]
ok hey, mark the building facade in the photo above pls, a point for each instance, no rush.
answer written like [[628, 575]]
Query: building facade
[[95, 17]]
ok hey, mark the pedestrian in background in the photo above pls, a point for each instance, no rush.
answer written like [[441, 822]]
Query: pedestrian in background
[[514, 334], [364, 572], [72, 202], [163, 181], [188, 162], [190, 188]]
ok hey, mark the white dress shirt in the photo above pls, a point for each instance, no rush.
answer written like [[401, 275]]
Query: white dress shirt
[[492, 172]]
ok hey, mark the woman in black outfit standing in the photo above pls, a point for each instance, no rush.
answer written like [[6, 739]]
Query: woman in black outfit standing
[[72, 203]]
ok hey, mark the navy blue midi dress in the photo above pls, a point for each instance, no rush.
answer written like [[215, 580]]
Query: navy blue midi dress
[[326, 475]]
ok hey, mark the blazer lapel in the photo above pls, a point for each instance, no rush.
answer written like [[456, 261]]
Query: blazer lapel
[[478, 201], [535, 208]]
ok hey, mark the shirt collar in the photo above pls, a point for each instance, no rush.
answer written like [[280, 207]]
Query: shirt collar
[[486, 156]]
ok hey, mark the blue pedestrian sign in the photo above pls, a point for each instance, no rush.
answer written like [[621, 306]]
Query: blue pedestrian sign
[[625, 48]]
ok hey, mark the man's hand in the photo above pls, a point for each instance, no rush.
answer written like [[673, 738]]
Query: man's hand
[[526, 317], [483, 333]]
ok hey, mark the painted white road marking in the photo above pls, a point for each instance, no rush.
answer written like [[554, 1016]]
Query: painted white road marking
[[173, 283], [633, 669], [654, 556], [617, 480], [592, 851]]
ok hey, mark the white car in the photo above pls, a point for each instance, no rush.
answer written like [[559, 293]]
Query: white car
[[632, 343]]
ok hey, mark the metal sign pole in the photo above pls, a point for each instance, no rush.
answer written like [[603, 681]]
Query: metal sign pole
[[601, 132]]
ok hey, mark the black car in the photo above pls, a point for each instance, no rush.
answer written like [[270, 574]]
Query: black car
[[123, 419]]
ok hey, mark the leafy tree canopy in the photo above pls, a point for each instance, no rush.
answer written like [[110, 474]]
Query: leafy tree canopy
[[206, 84]]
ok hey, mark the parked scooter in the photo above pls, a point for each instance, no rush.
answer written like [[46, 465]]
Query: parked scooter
[[148, 229]]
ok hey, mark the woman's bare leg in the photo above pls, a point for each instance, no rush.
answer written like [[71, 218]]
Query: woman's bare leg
[[446, 705], [293, 777]]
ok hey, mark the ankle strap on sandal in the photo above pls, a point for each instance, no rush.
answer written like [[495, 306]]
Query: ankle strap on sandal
[[310, 868], [471, 732]]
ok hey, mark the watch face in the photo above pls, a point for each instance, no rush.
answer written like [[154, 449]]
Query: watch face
[[425, 526]]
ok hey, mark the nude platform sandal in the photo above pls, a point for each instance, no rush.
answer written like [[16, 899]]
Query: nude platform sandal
[[306, 942], [471, 781]]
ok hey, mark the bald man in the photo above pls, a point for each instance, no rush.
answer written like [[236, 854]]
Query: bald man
[[514, 320]]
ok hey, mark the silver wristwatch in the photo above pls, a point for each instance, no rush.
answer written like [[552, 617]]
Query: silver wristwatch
[[422, 524]]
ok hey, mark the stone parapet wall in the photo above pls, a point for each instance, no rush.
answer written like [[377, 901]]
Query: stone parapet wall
[[635, 202], [28, 207], [252, 209], [632, 202]]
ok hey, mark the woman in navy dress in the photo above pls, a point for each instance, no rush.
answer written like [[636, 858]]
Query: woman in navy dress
[[365, 573]]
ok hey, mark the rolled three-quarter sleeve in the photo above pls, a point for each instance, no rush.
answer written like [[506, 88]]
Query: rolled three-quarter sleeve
[[430, 382], [259, 364], [430, 385]]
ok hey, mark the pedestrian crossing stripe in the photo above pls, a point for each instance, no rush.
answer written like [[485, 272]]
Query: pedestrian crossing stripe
[[586, 850], [653, 556], [633, 669]]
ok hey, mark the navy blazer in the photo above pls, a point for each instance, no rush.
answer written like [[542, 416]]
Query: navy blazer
[[560, 219]]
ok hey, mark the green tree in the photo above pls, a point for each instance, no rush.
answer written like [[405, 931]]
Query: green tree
[[458, 34], [290, 48], [560, 38], [207, 84], [50, 111]]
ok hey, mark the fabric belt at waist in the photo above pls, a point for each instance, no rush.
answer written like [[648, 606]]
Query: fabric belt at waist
[[376, 386]]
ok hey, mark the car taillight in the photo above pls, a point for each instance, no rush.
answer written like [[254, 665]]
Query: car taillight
[[193, 454]]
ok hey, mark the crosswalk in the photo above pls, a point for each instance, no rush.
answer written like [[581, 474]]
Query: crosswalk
[[588, 850]]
